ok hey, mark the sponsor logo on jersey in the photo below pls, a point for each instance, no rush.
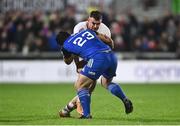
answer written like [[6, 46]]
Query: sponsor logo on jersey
[[91, 73]]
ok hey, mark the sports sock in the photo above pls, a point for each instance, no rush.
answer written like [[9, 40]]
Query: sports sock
[[116, 90], [69, 107], [84, 98]]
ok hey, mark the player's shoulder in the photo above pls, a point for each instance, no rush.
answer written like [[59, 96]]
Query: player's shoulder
[[103, 29], [79, 27], [103, 26]]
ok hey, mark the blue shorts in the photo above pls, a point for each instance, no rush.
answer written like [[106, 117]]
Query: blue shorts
[[101, 64]]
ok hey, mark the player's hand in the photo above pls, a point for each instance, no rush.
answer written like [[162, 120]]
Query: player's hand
[[80, 65], [68, 60]]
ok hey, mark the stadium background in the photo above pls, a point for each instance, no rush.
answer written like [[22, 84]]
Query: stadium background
[[147, 42]]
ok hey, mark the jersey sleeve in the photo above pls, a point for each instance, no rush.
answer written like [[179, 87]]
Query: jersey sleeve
[[103, 29], [76, 29], [108, 33], [79, 27]]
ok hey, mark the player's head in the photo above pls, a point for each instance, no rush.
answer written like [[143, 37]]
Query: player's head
[[61, 37], [94, 20]]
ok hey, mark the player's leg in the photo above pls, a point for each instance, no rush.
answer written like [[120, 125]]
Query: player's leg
[[82, 87], [65, 112], [112, 87], [90, 73], [79, 108], [75, 104], [79, 66], [115, 89]]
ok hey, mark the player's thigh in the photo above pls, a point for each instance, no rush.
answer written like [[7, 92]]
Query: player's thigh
[[110, 72], [94, 68], [83, 82], [92, 86]]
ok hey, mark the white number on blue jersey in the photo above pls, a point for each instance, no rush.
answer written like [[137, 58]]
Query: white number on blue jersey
[[88, 35], [81, 40]]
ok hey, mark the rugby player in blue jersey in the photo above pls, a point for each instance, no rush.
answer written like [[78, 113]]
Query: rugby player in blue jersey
[[94, 22], [100, 61]]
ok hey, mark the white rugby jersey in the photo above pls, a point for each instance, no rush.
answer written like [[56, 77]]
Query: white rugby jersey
[[103, 29]]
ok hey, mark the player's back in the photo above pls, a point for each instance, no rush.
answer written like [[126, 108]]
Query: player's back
[[85, 44]]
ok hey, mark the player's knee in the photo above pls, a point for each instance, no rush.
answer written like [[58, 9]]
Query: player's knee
[[105, 82], [79, 86], [83, 82], [104, 85]]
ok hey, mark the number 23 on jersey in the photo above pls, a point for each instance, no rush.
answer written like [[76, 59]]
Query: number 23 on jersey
[[83, 38]]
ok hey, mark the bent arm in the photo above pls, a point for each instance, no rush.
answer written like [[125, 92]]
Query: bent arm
[[106, 40], [67, 57], [79, 64]]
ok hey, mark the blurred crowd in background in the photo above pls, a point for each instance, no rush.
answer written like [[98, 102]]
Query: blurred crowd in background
[[22, 31]]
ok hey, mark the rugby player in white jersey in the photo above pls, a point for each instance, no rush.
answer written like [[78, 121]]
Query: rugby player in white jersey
[[94, 22]]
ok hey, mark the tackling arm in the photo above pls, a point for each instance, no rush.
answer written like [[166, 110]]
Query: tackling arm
[[67, 57], [79, 64], [106, 39], [68, 60]]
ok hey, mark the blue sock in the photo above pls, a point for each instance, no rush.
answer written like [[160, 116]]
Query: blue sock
[[84, 98], [116, 90]]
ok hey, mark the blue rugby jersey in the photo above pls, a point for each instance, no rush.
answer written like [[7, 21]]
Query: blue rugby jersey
[[85, 44]]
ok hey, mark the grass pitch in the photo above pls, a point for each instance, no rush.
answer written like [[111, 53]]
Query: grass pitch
[[22, 104]]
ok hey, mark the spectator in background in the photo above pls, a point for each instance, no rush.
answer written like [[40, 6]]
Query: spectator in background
[[177, 40], [128, 33], [3, 42], [29, 42], [68, 20], [52, 41], [55, 21], [163, 42], [37, 22], [19, 37], [116, 31], [54, 27]]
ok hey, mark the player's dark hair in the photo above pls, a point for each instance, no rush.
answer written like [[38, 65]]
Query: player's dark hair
[[96, 15], [61, 37]]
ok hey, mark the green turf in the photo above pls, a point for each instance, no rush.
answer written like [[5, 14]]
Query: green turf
[[39, 104]]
